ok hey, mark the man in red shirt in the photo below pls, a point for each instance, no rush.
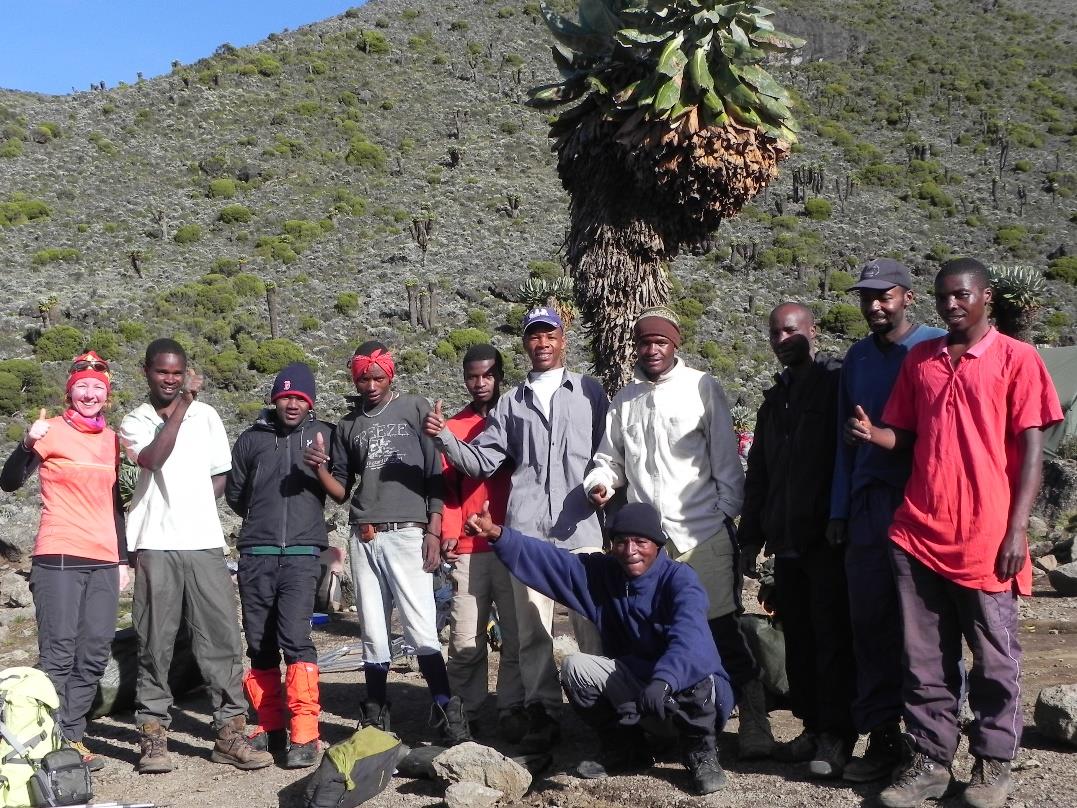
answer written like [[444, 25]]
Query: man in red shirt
[[973, 405], [479, 579]]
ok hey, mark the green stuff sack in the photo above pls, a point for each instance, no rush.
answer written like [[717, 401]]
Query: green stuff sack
[[353, 771], [27, 702]]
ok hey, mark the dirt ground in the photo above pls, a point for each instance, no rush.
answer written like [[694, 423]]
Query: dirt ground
[[1046, 773]]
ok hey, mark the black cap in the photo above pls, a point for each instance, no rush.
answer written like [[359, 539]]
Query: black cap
[[883, 273], [638, 519]]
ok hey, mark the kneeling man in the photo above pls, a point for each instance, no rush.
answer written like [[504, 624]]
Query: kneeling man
[[659, 665]]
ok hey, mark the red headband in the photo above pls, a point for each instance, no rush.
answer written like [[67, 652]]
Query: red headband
[[89, 366], [360, 364]]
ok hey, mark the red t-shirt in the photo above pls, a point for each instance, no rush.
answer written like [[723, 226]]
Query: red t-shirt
[[967, 453], [464, 495], [78, 477]]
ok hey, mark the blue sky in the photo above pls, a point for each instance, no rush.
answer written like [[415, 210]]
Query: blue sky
[[50, 46]]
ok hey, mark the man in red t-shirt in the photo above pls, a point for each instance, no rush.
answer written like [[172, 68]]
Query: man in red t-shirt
[[973, 405], [479, 579]]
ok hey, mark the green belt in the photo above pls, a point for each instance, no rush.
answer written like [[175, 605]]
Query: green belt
[[269, 549]]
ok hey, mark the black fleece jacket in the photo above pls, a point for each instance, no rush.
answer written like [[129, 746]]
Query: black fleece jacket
[[277, 494], [791, 462]]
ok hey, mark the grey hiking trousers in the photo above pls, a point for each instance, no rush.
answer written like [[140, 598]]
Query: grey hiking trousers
[[195, 586]]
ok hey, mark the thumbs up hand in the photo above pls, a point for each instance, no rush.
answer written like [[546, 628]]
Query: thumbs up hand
[[481, 524], [858, 429], [37, 429], [315, 455], [434, 421]]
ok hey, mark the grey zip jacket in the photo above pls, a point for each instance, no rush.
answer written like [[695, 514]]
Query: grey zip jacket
[[550, 458]]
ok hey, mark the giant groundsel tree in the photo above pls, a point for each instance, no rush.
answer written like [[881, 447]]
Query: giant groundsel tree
[[675, 126]]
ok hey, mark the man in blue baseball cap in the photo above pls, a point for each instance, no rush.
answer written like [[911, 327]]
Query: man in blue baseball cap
[[657, 668], [546, 430]]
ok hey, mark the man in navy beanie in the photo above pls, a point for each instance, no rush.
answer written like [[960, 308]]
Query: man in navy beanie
[[659, 669], [282, 504]]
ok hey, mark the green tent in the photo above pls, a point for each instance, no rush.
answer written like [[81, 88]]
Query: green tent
[[1062, 365]]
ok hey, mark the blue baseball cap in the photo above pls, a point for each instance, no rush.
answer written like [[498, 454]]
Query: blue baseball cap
[[545, 315]]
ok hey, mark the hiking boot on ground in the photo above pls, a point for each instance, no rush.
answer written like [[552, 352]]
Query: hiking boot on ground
[[754, 737], [707, 773], [452, 721], [542, 731], [990, 783], [920, 779], [94, 763], [622, 750], [831, 755], [375, 715], [153, 741], [301, 755], [799, 750], [882, 756], [233, 748], [512, 724], [273, 741]]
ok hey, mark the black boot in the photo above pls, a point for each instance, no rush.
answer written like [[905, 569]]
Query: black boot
[[701, 759], [375, 715], [621, 749], [452, 721]]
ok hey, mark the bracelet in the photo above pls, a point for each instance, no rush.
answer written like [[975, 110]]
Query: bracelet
[[432, 535]]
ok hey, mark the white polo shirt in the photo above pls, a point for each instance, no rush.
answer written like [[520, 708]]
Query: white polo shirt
[[174, 508]]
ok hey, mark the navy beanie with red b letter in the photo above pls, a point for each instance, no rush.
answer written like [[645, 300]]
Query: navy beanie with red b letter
[[295, 380]]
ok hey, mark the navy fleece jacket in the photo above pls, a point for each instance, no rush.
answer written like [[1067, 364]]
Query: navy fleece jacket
[[656, 624]]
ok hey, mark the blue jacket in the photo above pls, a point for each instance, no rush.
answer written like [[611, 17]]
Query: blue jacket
[[656, 624]]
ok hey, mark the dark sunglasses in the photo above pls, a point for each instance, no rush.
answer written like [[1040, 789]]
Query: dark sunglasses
[[100, 365]]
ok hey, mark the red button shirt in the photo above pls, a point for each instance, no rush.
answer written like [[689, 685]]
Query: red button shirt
[[967, 454], [464, 495]]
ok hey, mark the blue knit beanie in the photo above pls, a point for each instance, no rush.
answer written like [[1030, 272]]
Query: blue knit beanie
[[295, 380]]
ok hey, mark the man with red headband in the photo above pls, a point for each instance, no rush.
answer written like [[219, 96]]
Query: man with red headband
[[380, 455], [79, 545]]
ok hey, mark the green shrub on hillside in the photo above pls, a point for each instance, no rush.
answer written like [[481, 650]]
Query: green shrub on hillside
[[187, 234], [246, 285], [374, 42], [132, 331], [12, 147], [445, 351], [104, 342], [817, 209], [1010, 236], [1063, 269], [59, 343], [266, 65], [840, 281], [234, 214], [347, 302], [222, 188], [414, 361], [544, 270], [22, 386], [347, 203], [844, 319], [273, 355], [20, 210], [53, 254], [463, 338], [364, 154]]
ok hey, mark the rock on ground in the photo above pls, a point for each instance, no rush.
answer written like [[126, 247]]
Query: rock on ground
[[14, 590], [475, 763], [1056, 713], [471, 795], [1064, 579]]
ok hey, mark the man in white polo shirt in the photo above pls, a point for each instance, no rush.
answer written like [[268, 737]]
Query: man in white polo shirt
[[174, 533]]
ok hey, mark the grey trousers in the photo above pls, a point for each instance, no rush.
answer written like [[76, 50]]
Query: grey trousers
[[193, 585], [76, 620], [936, 615]]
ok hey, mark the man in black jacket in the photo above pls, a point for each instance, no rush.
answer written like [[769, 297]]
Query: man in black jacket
[[786, 509], [282, 504]]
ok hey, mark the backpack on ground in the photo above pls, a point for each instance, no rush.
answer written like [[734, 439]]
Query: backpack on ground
[[353, 771], [34, 769]]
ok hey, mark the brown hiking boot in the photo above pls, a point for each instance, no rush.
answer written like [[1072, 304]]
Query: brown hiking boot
[[234, 748], [989, 785], [153, 740]]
